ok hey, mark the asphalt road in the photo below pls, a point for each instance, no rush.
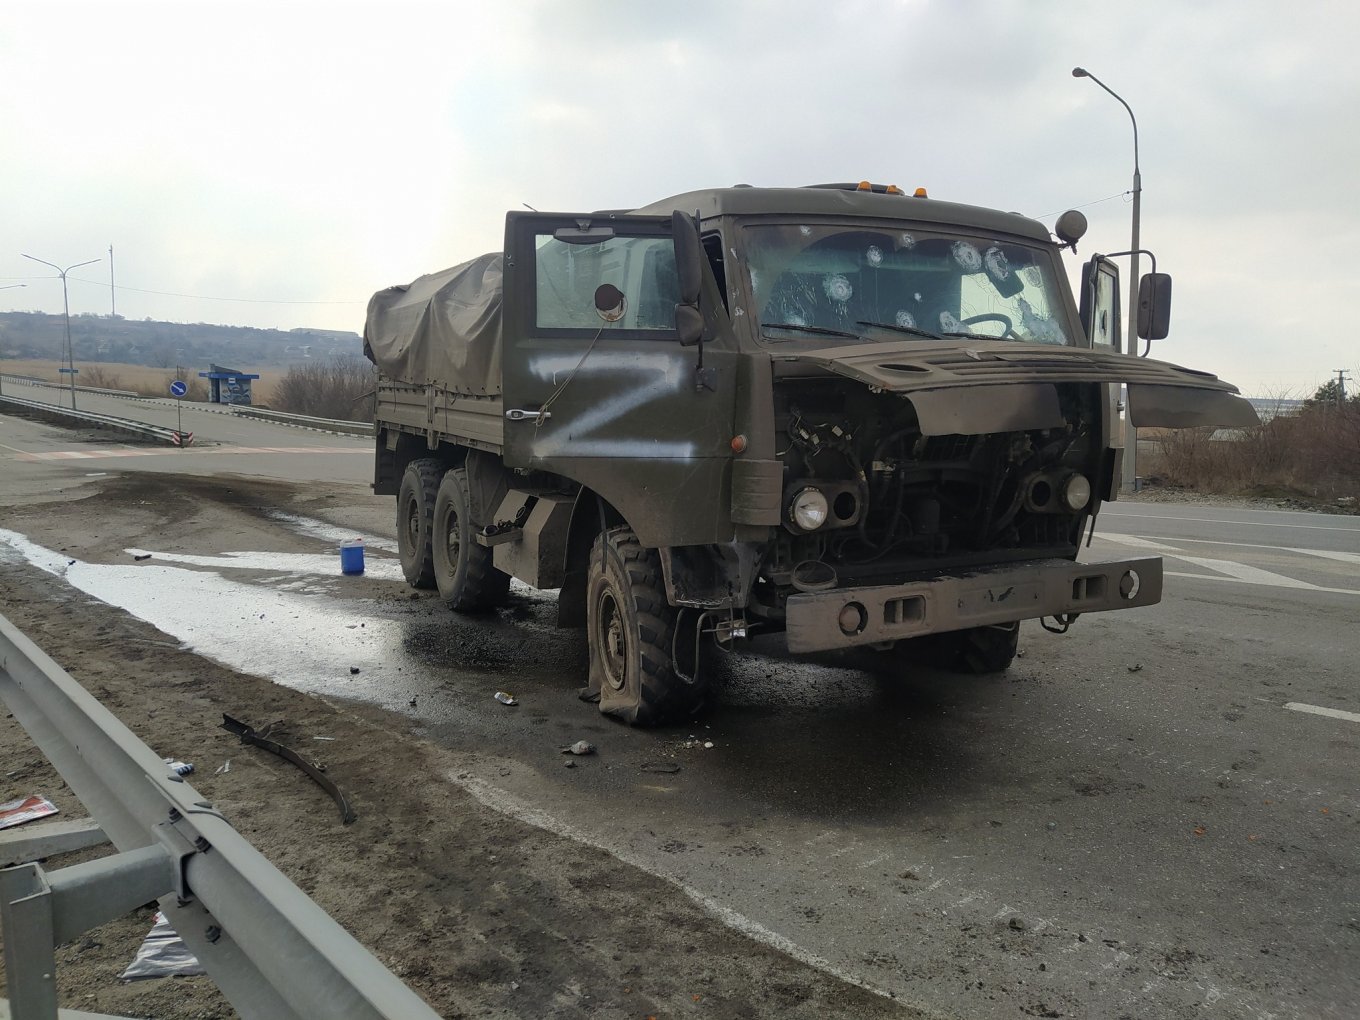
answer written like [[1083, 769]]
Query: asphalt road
[[223, 443], [1155, 815]]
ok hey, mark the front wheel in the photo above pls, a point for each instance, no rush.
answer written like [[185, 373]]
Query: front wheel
[[463, 570], [631, 628]]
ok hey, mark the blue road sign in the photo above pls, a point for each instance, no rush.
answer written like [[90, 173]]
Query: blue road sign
[[69, 371], [178, 388]]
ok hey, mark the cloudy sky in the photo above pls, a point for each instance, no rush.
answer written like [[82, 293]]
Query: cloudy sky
[[272, 164]]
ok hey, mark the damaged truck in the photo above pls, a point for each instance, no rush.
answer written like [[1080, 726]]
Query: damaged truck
[[842, 413]]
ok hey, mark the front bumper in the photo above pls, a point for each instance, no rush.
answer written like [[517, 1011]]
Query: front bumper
[[842, 618]]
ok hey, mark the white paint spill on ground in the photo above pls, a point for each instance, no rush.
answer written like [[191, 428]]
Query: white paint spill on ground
[[313, 528], [307, 641], [288, 563], [1331, 713]]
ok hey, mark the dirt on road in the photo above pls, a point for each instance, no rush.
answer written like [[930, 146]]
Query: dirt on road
[[481, 914]]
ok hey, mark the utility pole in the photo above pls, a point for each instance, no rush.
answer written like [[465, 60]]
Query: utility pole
[[113, 300], [1341, 375]]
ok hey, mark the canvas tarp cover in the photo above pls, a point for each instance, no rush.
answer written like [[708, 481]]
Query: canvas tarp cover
[[442, 330]]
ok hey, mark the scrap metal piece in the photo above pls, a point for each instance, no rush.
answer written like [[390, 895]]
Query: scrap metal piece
[[249, 736]]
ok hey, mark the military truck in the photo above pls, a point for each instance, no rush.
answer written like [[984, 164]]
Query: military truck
[[842, 413]]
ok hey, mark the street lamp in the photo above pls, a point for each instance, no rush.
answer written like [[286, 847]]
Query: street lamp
[[1131, 343], [66, 309]]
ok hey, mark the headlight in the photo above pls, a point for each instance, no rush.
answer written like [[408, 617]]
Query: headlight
[[807, 509], [1076, 492]]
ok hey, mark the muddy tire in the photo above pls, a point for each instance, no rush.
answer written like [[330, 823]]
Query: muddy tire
[[463, 570], [630, 628], [978, 650], [415, 520]]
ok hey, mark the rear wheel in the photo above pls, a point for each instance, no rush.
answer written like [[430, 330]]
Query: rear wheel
[[630, 628], [463, 570], [415, 520]]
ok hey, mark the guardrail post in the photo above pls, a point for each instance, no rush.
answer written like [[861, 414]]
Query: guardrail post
[[40, 911], [27, 926]]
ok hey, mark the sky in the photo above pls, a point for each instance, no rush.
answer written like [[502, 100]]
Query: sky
[[274, 164]]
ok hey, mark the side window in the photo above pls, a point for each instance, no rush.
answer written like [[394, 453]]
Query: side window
[[641, 268]]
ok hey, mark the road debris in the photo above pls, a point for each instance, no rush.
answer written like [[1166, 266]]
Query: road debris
[[1135, 667], [142, 556], [162, 954], [506, 699], [25, 809], [354, 671], [181, 768], [316, 771], [223, 768], [580, 747], [667, 767]]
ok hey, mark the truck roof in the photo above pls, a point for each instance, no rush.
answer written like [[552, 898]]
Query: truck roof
[[840, 200]]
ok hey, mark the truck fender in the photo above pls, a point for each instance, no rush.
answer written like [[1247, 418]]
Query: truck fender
[[591, 516]]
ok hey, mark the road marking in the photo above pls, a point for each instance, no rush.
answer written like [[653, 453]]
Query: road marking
[[1213, 520], [1242, 572], [1331, 713], [1147, 543], [1289, 582], [1238, 571], [177, 452]]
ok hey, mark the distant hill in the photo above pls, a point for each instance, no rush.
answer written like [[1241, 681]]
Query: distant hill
[[165, 344]]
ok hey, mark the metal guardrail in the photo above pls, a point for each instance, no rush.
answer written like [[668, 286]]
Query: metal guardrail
[[355, 428], [64, 415], [275, 954], [23, 380]]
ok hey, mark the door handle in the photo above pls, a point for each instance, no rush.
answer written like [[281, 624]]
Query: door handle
[[515, 414]]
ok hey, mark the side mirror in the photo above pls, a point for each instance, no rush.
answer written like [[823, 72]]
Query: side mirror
[[689, 265], [1154, 306], [1100, 302]]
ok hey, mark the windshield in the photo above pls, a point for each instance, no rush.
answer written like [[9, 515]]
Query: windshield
[[847, 279]]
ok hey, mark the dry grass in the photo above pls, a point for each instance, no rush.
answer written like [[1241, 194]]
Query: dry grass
[[144, 379], [340, 388], [1314, 454]]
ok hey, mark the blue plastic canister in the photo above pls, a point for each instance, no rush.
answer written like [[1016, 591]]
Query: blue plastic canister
[[352, 556]]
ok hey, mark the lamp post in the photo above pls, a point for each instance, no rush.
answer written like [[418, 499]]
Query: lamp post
[[8, 286], [1131, 341], [66, 311]]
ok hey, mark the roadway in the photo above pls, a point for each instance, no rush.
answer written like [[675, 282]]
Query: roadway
[[1154, 815]]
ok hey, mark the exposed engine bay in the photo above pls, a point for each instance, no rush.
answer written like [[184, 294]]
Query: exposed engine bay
[[869, 499]]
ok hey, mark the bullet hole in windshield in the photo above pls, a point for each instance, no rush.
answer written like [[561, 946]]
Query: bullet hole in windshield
[[837, 288], [905, 318], [967, 256], [949, 324], [906, 241], [873, 255]]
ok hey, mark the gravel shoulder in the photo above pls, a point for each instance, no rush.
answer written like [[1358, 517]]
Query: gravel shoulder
[[481, 914]]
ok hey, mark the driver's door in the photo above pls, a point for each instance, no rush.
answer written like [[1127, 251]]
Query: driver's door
[[596, 384]]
